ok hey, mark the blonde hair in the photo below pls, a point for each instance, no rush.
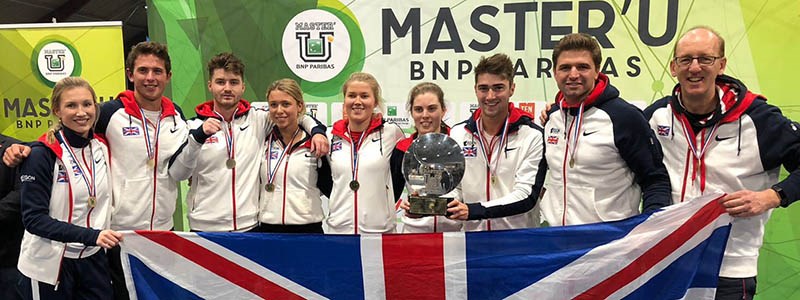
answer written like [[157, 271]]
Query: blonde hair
[[62, 86], [290, 87], [368, 79]]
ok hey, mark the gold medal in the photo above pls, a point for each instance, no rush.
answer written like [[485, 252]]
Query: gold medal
[[354, 185], [572, 162], [151, 163], [230, 163], [270, 187], [92, 201]]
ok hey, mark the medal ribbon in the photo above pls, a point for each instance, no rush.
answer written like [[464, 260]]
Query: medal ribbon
[[487, 152], [572, 144], [270, 172], [90, 185], [698, 151], [354, 151], [151, 149], [229, 143]]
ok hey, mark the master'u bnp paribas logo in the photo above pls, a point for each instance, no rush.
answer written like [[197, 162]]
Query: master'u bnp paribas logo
[[53, 59], [316, 45]]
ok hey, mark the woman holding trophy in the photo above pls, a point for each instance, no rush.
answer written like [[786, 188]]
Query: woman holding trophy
[[363, 195], [292, 179], [427, 107]]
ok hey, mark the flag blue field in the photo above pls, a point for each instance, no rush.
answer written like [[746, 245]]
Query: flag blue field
[[670, 254]]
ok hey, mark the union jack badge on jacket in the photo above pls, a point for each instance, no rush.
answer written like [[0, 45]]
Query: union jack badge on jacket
[[130, 131]]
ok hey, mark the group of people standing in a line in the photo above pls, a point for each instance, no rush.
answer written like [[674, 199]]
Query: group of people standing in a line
[[103, 169]]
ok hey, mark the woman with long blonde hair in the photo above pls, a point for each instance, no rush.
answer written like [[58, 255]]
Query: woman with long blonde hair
[[66, 203]]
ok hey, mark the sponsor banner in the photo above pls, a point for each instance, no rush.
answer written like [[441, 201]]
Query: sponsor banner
[[319, 43], [36, 56]]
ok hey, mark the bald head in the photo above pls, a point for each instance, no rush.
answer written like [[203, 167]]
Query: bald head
[[701, 35]]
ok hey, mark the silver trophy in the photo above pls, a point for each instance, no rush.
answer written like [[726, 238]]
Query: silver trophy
[[433, 166]]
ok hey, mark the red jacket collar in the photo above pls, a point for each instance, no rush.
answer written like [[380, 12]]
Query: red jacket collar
[[599, 87], [128, 99], [403, 144], [734, 101], [55, 146], [206, 109], [514, 114], [340, 127], [516, 117]]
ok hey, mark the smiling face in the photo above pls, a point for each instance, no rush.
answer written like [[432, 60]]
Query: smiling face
[[698, 81], [77, 110], [283, 109], [493, 93], [150, 77], [359, 102], [427, 112], [227, 89], [575, 75]]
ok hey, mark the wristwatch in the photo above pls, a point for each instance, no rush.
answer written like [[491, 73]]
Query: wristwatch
[[781, 194]]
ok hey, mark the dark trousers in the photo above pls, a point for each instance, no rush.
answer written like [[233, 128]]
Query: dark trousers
[[84, 278], [736, 288], [117, 275], [9, 278], [304, 228]]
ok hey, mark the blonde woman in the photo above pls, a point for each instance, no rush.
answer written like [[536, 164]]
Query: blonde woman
[[66, 203], [292, 179], [363, 195]]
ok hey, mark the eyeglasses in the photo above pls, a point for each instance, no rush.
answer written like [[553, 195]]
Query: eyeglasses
[[685, 61]]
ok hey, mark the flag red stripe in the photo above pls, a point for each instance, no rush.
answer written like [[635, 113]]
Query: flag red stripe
[[219, 265], [651, 257], [413, 266]]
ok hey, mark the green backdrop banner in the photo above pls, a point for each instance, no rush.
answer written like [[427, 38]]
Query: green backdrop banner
[[35, 56], [319, 43]]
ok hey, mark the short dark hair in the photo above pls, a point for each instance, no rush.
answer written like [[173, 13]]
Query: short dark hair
[[150, 47], [578, 42], [498, 64], [706, 28], [226, 61]]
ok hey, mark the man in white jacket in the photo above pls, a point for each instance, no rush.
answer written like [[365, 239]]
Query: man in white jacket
[[223, 152], [504, 152], [719, 136]]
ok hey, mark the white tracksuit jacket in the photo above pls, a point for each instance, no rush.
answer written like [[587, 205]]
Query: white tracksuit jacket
[[747, 150], [507, 203]]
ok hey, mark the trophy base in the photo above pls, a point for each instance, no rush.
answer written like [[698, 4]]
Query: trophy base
[[428, 206]]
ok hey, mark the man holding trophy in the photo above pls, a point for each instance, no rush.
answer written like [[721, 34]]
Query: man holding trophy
[[503, 151]]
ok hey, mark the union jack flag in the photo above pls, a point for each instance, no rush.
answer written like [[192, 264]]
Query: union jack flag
[[212, 139], [76, 171], [336, 146], [273, 155], [669, 254], [130, 131], [552, 139], [663, 130], [470, 151], [62, 175]]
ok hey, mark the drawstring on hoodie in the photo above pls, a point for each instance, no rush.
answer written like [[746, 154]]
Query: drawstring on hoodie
[[739, 138], [672, 126]]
